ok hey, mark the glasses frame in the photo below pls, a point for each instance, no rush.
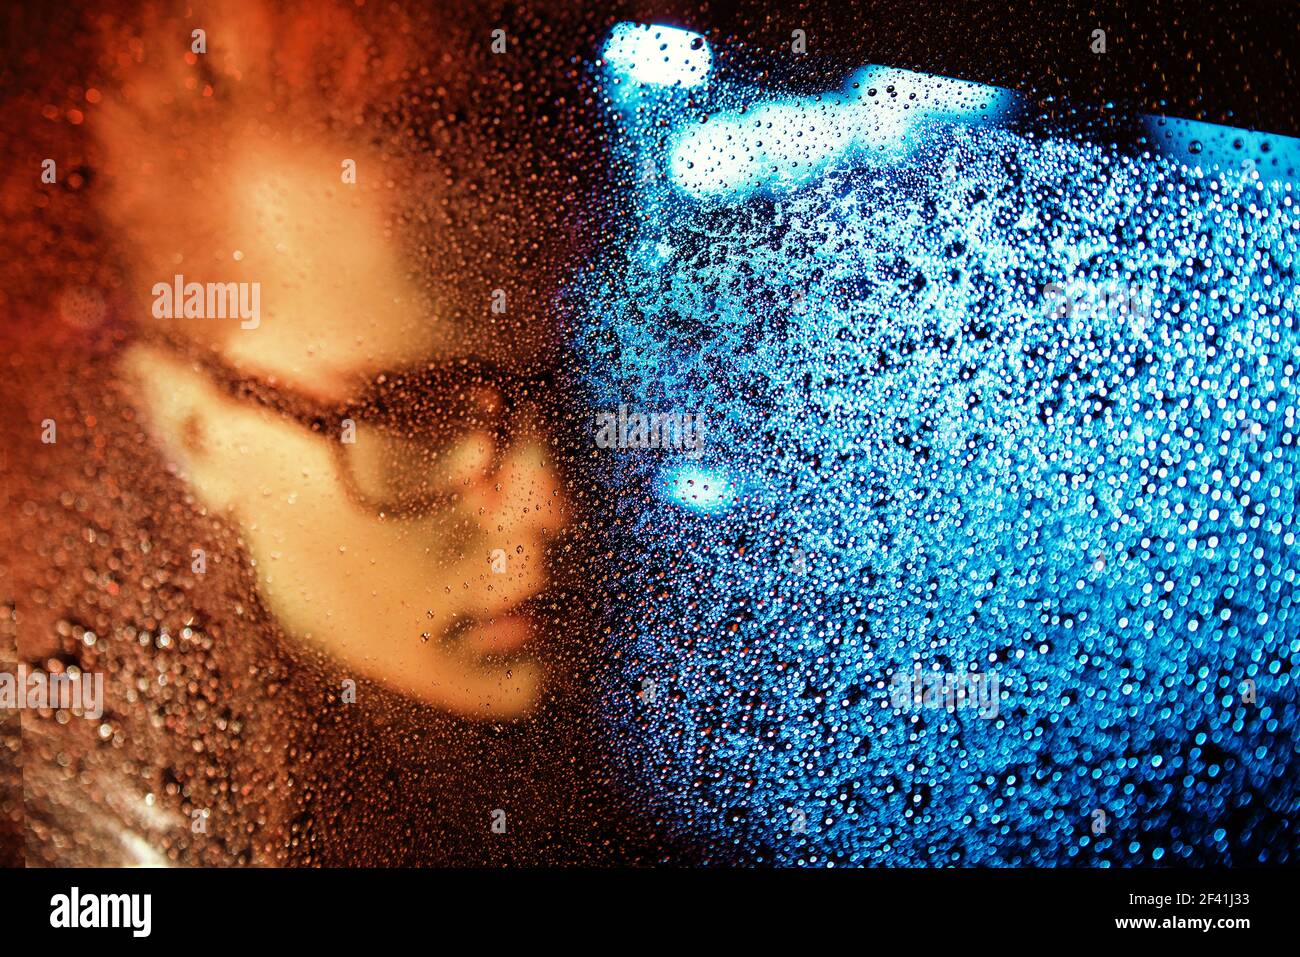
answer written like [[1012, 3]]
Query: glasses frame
[[327, 419]]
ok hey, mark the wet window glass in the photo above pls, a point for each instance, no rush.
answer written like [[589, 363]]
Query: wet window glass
[[694, 434]]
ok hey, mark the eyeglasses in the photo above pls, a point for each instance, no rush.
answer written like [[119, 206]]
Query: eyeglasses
[[397, 442]]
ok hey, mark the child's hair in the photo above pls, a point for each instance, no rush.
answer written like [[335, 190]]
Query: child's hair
[[122, 104]]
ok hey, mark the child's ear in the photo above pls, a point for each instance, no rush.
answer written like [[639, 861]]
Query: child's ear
[[193, 423]]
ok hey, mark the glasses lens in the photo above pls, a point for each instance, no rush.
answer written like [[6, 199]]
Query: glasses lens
[[419, 438]]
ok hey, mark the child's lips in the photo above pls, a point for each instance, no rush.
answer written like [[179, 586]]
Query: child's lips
[[498, 636]]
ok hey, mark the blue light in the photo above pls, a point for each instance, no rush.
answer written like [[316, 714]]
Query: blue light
[[658, 56], [784, 144], [709, 491], [1208, 145]]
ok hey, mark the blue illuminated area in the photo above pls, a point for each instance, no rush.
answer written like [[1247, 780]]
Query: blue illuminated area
[[1002, 430], [700, 490], [642, 54], [1208, 145], [784, 144]]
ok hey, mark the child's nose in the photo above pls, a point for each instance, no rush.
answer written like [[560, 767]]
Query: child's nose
[[523, 498]]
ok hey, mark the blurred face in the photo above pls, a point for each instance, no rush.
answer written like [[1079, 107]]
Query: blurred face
[[392, 490]]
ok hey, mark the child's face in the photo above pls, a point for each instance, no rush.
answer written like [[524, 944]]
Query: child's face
[[425, 602]]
